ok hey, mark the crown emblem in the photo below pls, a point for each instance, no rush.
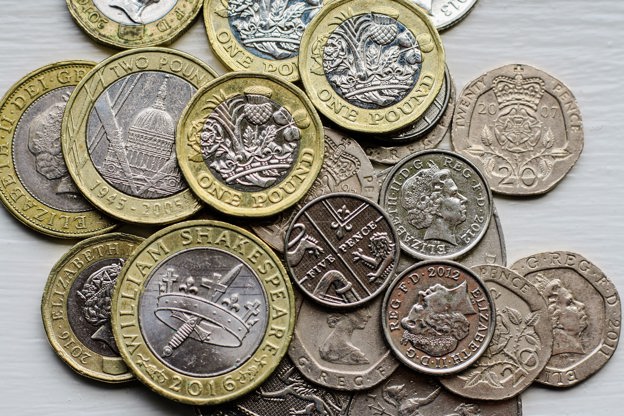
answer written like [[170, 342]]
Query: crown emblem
[[201, 312], [518, 90], [342, 164]]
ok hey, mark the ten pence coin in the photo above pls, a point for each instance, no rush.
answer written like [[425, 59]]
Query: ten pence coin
[[265, 36], [438, 317], [35, 185], [119, 131], [429, 138], [521, 127], [203, 312], [370, 66], [134, 23], [584, 310], [439, 203], [342, 350], [521, 344], [76, 306], [345, 169], [250, 144], [341, 250]]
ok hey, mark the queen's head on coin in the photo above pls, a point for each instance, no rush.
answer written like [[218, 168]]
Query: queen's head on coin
[[433, 202], [568, 318], [338, 347], [133, 8]]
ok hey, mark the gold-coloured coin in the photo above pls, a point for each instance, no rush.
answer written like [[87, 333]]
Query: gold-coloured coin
[[119, 133], [76, 306], [244, 39], [134, 23], [203, 312], [372, 66], [35, 185], [250, 144]]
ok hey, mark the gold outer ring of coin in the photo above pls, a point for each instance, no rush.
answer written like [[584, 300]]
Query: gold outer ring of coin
[[19, 201], [256, 255], [91, 183], [226, 198], [235, 55], [162, 31], [61, 336], [347, 115]]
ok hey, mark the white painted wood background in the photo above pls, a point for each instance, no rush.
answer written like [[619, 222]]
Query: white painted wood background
[[579, 42]]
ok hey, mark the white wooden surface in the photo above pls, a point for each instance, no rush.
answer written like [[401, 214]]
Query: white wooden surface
[[580, 42]]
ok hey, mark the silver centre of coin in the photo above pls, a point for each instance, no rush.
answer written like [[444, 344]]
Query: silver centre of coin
[[439, 202], [372, 60], [203, 312], [250, 142], [131, 133], [37, 154], [135, 12], [271, 29]]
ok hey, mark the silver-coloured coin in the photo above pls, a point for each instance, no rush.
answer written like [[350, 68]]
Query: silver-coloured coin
[[132, 12], [406, 393], [521, 344], [585, 314], [521, 127], [146, 106], [439, 203], [342, 350], [438, 317], [427, 139], [445, 13], [286, 392], [345, 169], [341, 250]]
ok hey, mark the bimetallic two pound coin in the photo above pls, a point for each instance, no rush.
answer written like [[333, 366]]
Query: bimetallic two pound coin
[[35, 185], [204, 312], [76, 306], [257, 36], [134, 23], [438, 317], [439, 203], [119, 134], [250, 144], [521, 127], [371, 66], [341, 250]]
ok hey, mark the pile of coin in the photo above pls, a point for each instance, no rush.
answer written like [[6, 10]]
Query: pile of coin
[[328, 276]]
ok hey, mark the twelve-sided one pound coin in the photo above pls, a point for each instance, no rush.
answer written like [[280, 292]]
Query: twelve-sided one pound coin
[[203, 312], [76, 306], [438, 317], [119, 132], [250, 144], [35, 185], [372, 66]]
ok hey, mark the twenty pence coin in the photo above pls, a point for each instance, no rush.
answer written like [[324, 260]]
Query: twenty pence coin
[[521, 127], [250, 144], [119, 132], [585, 314], [521, 344], [341, 250], [35, 185], [424, 396], [345, 169], [431, 138], [76, 306], [245, 39], [438, 317], [341, 349], [204, 312], [370, 66], [134, 23], [439, 203]]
